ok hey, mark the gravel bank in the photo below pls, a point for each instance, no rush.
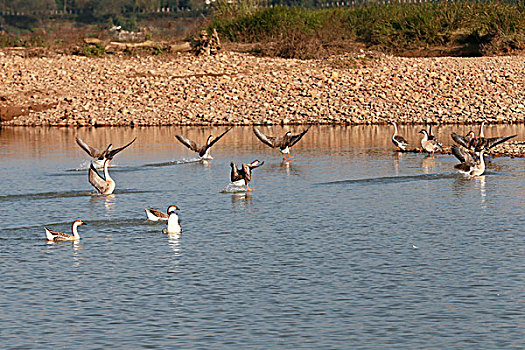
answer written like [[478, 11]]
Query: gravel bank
[[239, 89]]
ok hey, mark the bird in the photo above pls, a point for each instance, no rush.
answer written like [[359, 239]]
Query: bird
[[101, 155], [243, 175], [156, 215], [203, 151], [104, 185], [471, 164], [429, 146], [473, 143], [55, 236], [431, 135], [173, 226], [284, 143], [399, 141]]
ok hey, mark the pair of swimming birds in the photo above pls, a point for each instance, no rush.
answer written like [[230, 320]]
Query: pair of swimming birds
[[172, 227], [469, 149]]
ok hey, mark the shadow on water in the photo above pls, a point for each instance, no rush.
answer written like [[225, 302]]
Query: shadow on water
[[64, 194], [174, 162], [393, 179]]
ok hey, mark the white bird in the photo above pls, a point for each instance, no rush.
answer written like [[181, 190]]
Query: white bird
[[173, 226], [55, 236], [156, 215], [104, 185], [398, 140], [429, 146], [472, 164]]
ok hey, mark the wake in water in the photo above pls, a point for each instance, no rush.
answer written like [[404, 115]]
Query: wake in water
[[231, 188], [175, 162], [393, 179]]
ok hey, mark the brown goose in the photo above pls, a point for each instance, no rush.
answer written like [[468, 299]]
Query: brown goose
[[104, 185], [101, 155], [472, 164], [398, 140], [284, 143], [203, 151], [473, 143], [243, 175], [55, 236], [429, 146]]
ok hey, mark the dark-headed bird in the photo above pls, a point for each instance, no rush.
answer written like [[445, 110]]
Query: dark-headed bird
[[203, 151], [284, 143], [243, 175], [99, 156]]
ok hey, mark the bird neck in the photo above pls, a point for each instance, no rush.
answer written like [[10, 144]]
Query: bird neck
[[481, 134], [106, 172], [74, 229], [395, 129]]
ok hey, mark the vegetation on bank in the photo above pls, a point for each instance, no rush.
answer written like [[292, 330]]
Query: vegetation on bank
[[434, 28]]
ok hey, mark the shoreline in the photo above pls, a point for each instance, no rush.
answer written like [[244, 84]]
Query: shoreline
[[239, 89]]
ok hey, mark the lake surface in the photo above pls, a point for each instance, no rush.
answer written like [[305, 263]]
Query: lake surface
[[349, 246]]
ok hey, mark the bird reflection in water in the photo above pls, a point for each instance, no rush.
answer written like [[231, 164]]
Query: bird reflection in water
[[174, 243], [286, 165], [241, 199], [109, 201], [428, 164], [397, 156]]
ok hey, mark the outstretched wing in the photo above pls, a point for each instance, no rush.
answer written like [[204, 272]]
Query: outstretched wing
[[93, 152], [295, 138], [235, 176], [188, 143], [461, 140], [255, 164], [267, 140], [217, 138], [494, 141], [114, 152], [96, 180], [462, 155]]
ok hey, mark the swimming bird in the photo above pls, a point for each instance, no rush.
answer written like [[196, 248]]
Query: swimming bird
[[173, 226], [101, 155], [55, 236], [399, 141], [203, 151], [284, 143], [104, 185], [471, 164], [473, 143], [429, 146], [243, 175], [156, 215]]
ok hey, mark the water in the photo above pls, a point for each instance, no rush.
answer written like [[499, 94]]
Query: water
[[349, 246]]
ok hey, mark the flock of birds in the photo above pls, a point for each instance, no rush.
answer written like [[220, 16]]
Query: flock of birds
[[105, 185], [469, 151]]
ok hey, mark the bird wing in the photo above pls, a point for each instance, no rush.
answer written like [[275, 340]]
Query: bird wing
[[400, 139], [267, 140], [235, 176], [462, 155], [114, 152], [217, 138], [494, 141], [158, 213], [52, 235], [461, 140], [93, 152], [295, 138], [96, 180], [188, 143]]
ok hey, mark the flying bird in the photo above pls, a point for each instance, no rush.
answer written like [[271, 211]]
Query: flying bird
[[55, 236], [104, 185], [284, 143], [243, 175], [99, 156], [203, 151]]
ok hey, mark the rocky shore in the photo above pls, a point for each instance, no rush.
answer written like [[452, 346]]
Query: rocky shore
[[240, 89]]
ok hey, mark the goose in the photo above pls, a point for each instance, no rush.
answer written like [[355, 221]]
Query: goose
[[473, 143], [243, 175], [104, 185], [173, 226], [429, 146], [156, 215], [99, 156], [203, 151], [284, 143], [399, 141], [55, 236], [471, 163]]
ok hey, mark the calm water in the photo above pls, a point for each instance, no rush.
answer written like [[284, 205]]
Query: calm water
[[350, 246]]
